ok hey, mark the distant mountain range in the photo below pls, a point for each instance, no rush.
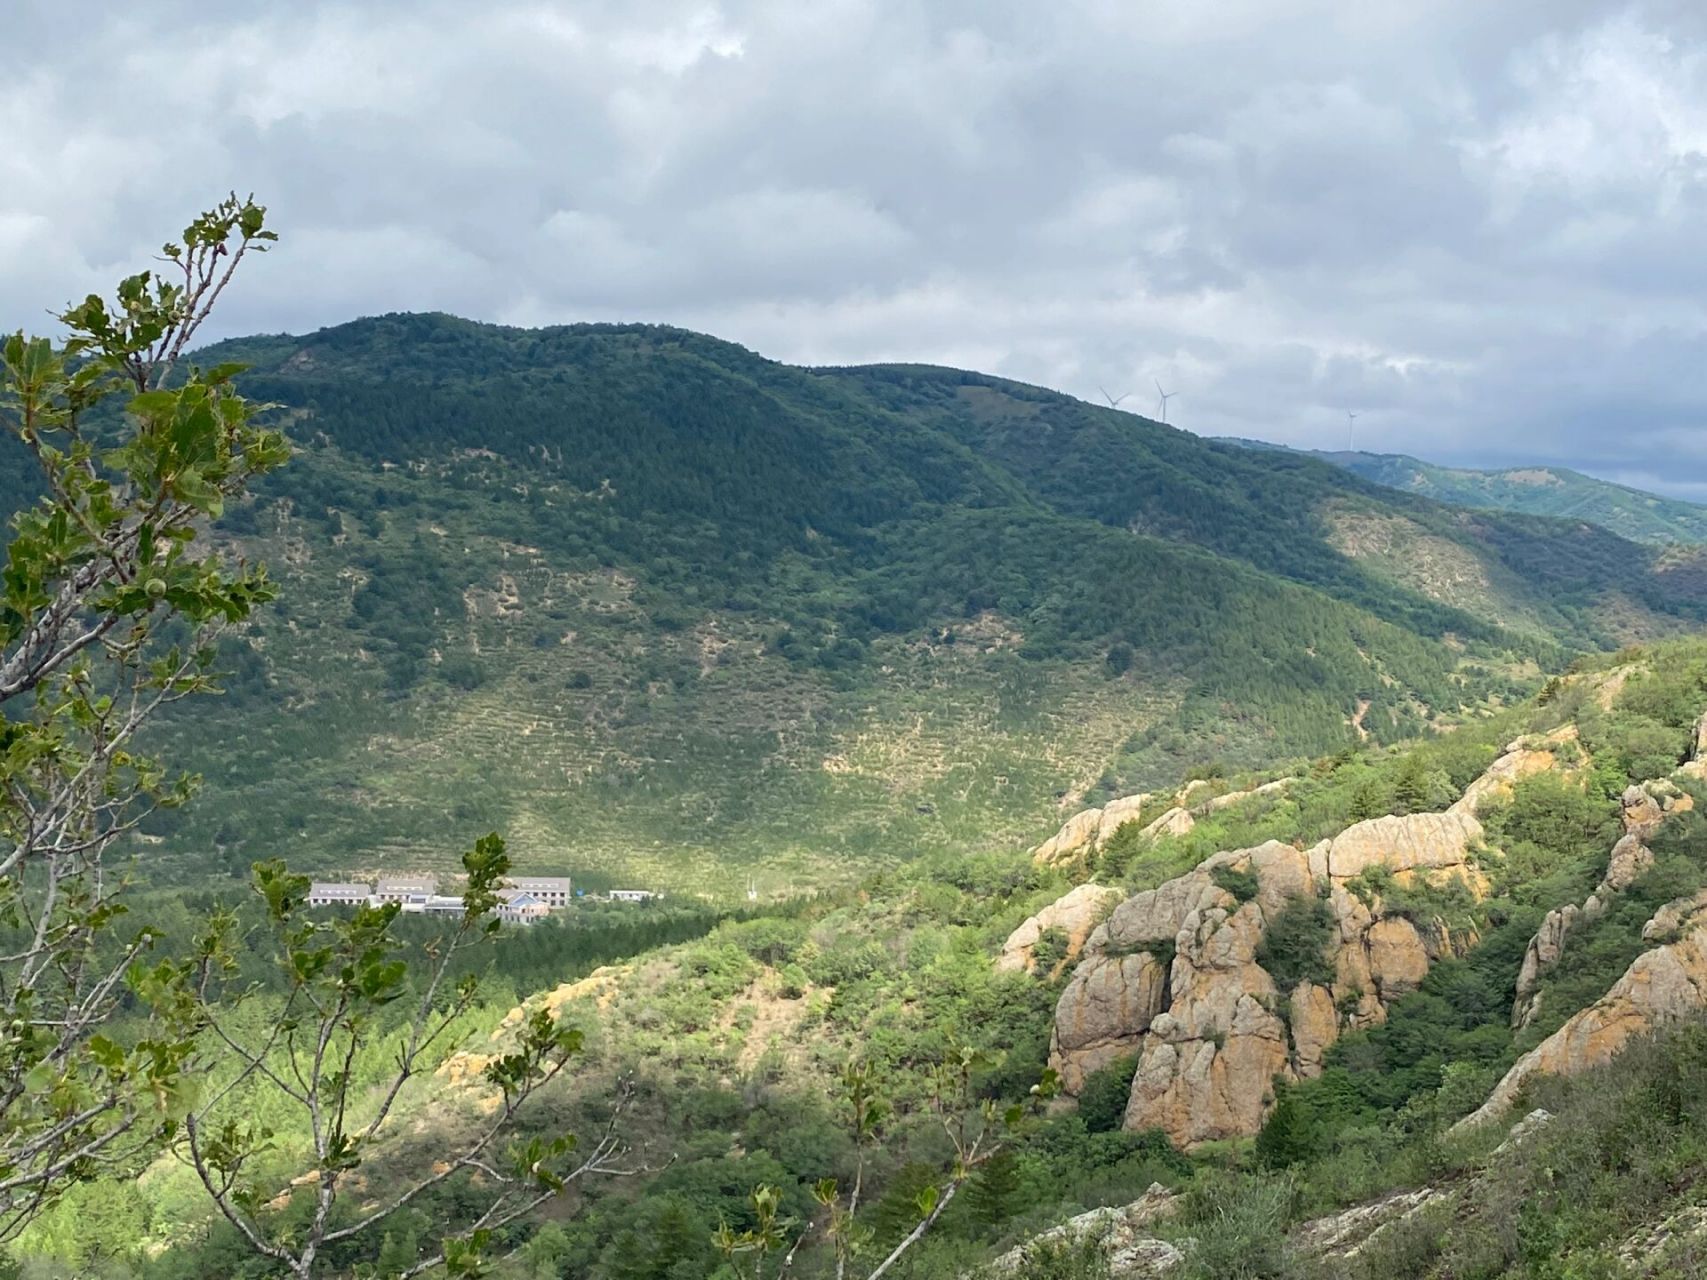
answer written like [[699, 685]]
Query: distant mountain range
[[1543, 491]]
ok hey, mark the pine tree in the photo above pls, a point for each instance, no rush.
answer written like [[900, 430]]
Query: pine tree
[[1289, 1136], [993, 1192], [1410, 788]]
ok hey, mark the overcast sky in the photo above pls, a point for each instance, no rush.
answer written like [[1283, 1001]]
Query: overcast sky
[[1477, 222]]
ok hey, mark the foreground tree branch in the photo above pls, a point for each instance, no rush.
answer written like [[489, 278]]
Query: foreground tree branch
[[111, 603], [977, 1130], [340, 977]]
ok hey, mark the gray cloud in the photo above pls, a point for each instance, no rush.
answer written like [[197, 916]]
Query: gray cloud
[[1480, 224]]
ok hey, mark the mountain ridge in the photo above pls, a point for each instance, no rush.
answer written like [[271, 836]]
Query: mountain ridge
[[651, 602], [1537, 489]]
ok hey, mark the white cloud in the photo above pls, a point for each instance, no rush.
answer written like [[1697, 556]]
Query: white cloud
[[1483, 225]]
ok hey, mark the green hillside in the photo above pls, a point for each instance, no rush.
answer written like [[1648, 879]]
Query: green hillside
[[737, 1033], [656, 606], [1543, 491]]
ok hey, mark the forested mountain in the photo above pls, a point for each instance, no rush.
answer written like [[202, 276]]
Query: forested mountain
[[1544, 491], [651, 604]]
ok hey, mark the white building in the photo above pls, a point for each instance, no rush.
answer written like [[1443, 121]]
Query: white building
[[432, 904], [632, 895], [333, 894], [401, 888], [553, 891]]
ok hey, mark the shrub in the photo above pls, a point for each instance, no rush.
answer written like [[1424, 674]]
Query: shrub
[[1102, 1101], [1050, 950], [1234, 1228], [1295, 945], [1243, 885]]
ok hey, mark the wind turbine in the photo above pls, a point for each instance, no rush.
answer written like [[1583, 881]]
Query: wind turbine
[[1351, 430], [1113, 401], [1162, 400]]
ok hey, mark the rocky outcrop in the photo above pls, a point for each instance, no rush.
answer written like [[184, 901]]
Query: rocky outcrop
[[1173, 822], [1089, 829], [1073, 841], [1086, 831], [1119, 1232], [1230, 798], [1315, 1027], [1523, 758], [1212, 1037], [1342, 1236], [1696, 766], [1662, 985], [1075, 914], [1425, 842], [1104, 1013], [1643, 810]]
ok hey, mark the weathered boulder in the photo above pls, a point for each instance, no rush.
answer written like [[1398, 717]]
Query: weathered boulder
[[1696, 766], [1172, 822], [1157, 915], [1669, 920], [1524, 1130], [1628, 860], [1661, 985], [1542, 954], [1203, 1090], [1425, 842], [1344, 1235], [1073, 841], [1642, 813], [1118, 1232], [1226, 800], [1075, 914], [1116, 814], [1104, 1013], [1315, 1027], [1398, 960], [1521, 759]]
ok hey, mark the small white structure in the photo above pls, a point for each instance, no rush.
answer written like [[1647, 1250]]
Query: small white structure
[[334, 894], [432, 904], [553, 891], [402, 888], [632, 895]]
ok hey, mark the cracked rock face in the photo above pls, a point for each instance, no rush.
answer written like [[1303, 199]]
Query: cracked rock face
[[1643, 810], [1118, 1231], [1211, 1038], [1104, 1013], [1075, 914]]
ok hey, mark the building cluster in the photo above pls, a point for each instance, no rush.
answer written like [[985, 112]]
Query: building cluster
[[523, 900]]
